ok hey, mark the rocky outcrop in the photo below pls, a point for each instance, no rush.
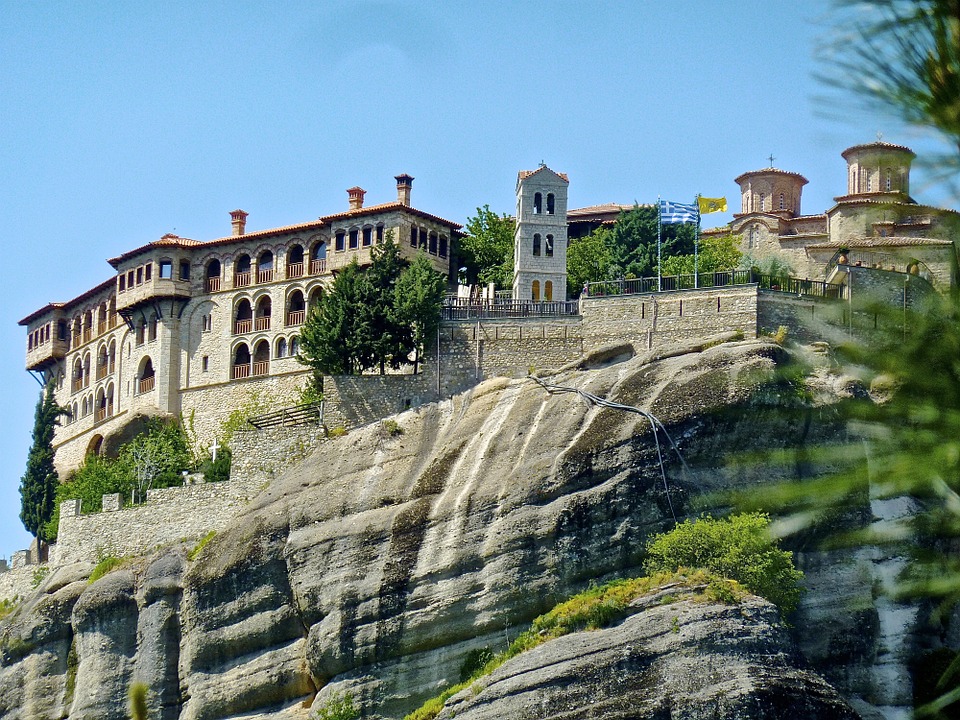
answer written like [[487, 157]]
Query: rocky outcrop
[[684, 659], [380, 562]]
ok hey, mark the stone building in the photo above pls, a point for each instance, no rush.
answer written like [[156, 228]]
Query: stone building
[[875, 224], [540, 241], [199, 328]]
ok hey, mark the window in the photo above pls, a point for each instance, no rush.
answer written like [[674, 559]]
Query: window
[[413, 237], [536, 244], [781, 201], [423, 238], [367, 236], [148, 271], [139, 276], [206, 363], [130, 279], [153, 328], [141, 331], [184, 269], [354, 238], [889, 184], [443, 246], [122, 283], [379, 233], [281, 347], [548, 290], [537, 203], [550, 203], [166, 270], [294, 346], [433, 243], [535, 291], [207, 323], [340, 240], [61, 330], [763, 201], [548, 247]]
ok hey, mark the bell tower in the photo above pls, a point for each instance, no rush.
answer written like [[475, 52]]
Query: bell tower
[[540, 242]]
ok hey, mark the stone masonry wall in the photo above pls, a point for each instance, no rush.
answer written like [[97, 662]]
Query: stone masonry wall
[[16, 583], [261, 455], [655, 320]]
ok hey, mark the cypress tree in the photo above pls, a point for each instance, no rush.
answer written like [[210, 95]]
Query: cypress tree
[[38, 486]]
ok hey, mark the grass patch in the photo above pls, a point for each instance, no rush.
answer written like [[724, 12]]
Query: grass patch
[[105, 565], [337, 431], [7, 606], [39, 575], [597, 607], [201, 544]]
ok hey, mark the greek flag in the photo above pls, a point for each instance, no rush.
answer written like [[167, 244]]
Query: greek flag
[[672, 213]]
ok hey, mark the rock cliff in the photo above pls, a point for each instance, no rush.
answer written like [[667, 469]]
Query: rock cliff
[[380, 562]]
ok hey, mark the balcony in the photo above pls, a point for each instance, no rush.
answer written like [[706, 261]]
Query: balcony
[[296, 317], [213, 284], [87, 334], [265, 276], [42, 355], [318, 267], [147, 384], [294, 270], [241, 279], [241, 371], [101, 372], [76, 385], [263, 323], [103, 413], [101, 328], [151, 290], [242, 326], [261, 368]]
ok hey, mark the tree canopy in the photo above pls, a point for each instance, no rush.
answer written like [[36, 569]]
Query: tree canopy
[[38, 486], [633, 242], [487, 249], [716, 253]]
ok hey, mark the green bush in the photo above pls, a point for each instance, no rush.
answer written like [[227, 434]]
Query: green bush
[[7, 606], [339, 706], [218, 470], [138, 701], [39, 575], [739, 547], [104, 566]]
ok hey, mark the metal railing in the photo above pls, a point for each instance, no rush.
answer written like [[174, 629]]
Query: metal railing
[[798, 286], [311, 413], [668, 283], [463, 309]]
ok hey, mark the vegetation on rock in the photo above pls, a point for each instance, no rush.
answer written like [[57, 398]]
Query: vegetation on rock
[[105, 565], [339, 706]]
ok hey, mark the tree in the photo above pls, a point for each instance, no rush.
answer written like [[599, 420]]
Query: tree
[[633, 242], [739, 548], [588, 259], [335, 337], [390, 335], [418, 300], [38, 486], [716, 253], [487, 249]]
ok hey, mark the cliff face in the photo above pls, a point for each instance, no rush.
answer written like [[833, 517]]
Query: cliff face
[[379, 563]]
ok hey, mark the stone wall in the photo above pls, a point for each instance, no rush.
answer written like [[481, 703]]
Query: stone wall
[[16, 583], [807, 319], [260, 455], [654, 320], [352, 400]]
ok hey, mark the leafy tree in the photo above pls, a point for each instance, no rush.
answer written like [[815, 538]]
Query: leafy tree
[[633, 242], [38, 486], [156, 458], [417, 302], [217, 470], [390, 336], [487, 249], [739, 548], [588, 259], [335, 338], [717, 253]]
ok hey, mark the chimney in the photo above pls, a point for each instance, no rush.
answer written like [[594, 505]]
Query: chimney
[[356, 197], [404, 183], [238, 221]]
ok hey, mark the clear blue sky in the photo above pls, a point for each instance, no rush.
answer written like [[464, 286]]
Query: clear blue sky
[[122, 121]]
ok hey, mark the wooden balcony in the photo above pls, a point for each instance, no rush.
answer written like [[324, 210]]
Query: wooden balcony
[[103, 413], [76, 339], [296, 317], [213, 284], [294, 270], [87, 334], [263, 323], [101, 328], [265, 276], [101, 372], [242, 326], [261, 368], [318, 267], [241, 371], [147, 384], [241, 279], [76, 385]]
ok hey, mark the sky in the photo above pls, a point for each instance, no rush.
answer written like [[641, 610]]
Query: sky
[[120, 122]]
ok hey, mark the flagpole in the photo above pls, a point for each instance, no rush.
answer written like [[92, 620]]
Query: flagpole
[[696, 241], [659, 288]]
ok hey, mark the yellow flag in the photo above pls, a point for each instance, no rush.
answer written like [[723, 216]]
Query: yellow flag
[[712, 205]]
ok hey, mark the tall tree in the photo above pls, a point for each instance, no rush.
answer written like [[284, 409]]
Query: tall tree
[[588, 260], [487, 249], [389, 335], [418, 299], [633, 242], [38, 486]]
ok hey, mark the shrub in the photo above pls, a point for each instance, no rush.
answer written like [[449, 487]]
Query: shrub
[[218, 470], [7, 606], [738, 547], [391, 427], [39, 575], [337, 431], [339, 706], [138, 701], [105, 565]]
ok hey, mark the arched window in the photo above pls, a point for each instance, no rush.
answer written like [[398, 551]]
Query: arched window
[[869, 182], [146, 378], [241, 271], [241, 361], [318, 258], [782, 206], [261, 358], [763, 202], [76, 381], [548, 246], [535, 291], [112, 357], [754, 237], [536, 244], [281, 347], [75, 415], [243, 318], [264, 311], [84, 408], [294, 346], [265, 267], [295, 261], [537, 203], [548, 290], [88, 326], [296, 309], [102, 319], [153, 328], [213, 275], [102, 367], [86, 370], [101, 406], [889, 180], [141, 331], [315, 296], [550, 203]]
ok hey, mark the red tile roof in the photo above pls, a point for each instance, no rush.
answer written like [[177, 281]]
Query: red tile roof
[[524, 174], [105, 285]]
